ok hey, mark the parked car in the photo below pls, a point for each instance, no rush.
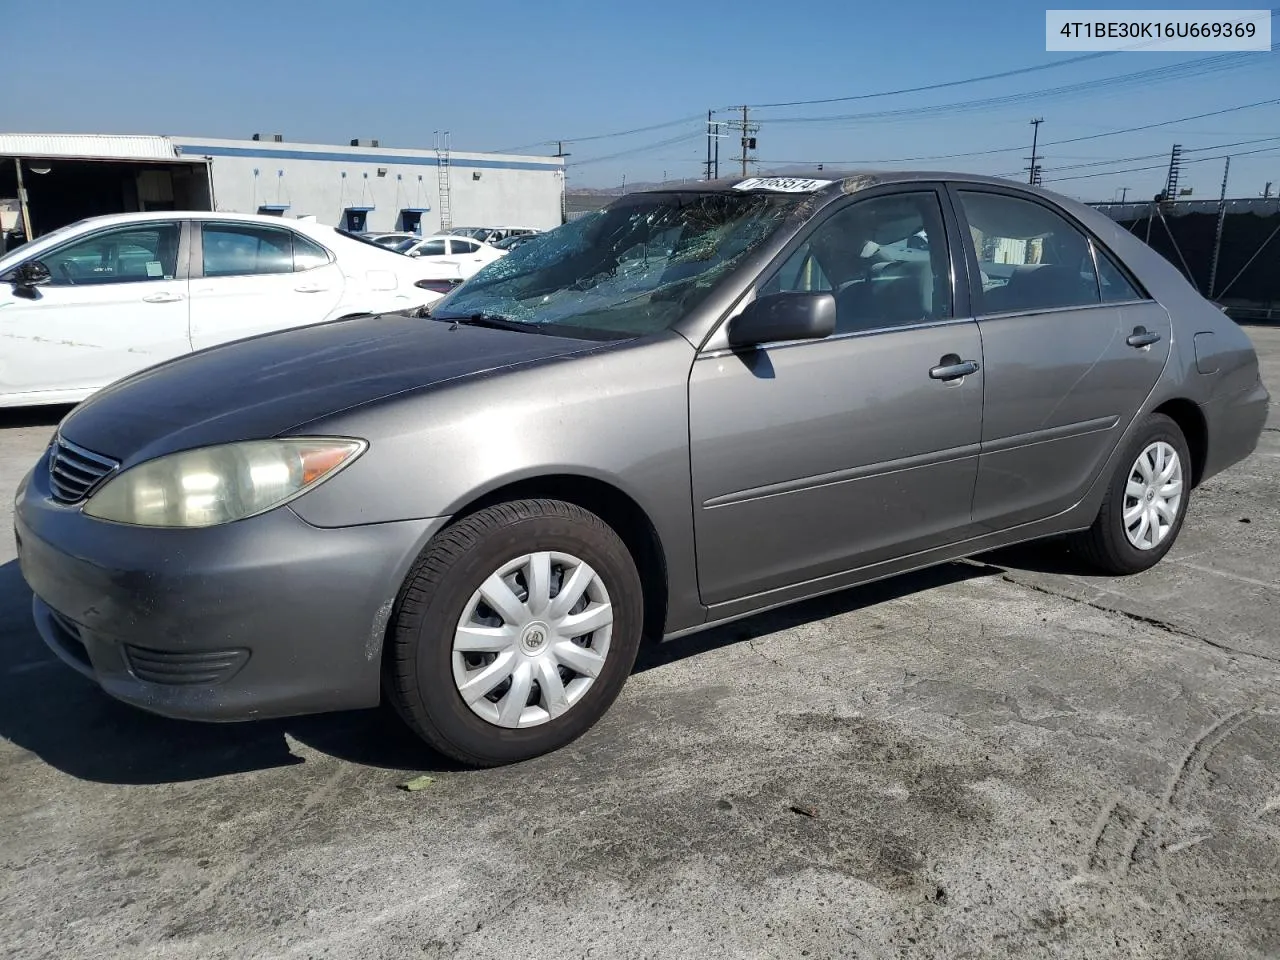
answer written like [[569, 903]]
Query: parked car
[[100, 299], [690, 406], [513, 241], [390, 239], [491, 234], [469, 255]]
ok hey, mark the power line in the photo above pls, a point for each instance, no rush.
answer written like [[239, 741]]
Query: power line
[[682, 138], [1215, 64], [603, 136], [1050, 143], [1161, 166], [937, 86], [1145, 156]]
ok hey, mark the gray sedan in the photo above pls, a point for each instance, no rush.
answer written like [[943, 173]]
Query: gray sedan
[[690, 406]]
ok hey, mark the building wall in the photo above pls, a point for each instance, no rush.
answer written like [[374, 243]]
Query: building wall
[[323, 181]]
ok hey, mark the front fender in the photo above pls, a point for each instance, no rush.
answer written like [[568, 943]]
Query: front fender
[[618, 416]]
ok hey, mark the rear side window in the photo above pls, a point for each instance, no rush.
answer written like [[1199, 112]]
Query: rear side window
[[464, 246], [1030, 257], [308, 254], [1116, 287], [239, 250]]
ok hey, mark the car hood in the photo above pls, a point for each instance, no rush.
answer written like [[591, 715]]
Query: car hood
[[263, 386]]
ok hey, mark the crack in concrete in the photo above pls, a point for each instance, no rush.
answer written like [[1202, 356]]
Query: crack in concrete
[[1162, 625], [751, 645]]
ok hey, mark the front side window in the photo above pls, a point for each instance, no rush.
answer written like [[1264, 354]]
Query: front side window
[[134, 254], [1030, 258], [636, 267], [885, 259], [240, 250]]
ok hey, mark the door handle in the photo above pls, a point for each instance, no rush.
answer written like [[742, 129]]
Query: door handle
[[1142, 338], [310, 288], [951, 367], [162, 298]]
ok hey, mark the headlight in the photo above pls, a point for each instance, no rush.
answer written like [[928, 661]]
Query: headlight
[[212, 485]]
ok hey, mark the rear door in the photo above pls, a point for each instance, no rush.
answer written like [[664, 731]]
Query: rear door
[[116, 302], [815, 457], [250, 278], [1072, 347]]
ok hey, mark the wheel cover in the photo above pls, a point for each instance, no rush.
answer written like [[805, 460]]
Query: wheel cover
[[532, 639], [1152, 496]]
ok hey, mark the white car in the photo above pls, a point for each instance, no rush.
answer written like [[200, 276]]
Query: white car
[[492, 234], [469, 255], [92, 302], [389, 239]]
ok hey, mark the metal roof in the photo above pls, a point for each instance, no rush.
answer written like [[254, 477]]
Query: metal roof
[[89, 146]]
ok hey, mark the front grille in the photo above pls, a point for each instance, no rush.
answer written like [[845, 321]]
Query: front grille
[[75, 472], [167, 666]]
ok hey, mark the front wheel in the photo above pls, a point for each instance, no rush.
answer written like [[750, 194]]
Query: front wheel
[[515, 632], [1145, 503]]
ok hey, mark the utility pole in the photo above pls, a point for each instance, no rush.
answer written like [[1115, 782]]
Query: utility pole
[[717, 156], [744, 140], [1033, 171], [1217, 239], [22, 203], [564, 182], [708, 174]]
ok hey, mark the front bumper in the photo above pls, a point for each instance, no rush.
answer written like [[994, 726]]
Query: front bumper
[[265, 617]]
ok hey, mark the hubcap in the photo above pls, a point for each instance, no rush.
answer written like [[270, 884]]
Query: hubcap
[[1152, 496], [532, 639]]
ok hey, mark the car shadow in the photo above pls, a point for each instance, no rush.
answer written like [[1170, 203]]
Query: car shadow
[[1052, 555], [67, 721], [807, 611]]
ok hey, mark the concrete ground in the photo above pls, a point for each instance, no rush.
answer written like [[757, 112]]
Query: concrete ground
[[1008, 758]]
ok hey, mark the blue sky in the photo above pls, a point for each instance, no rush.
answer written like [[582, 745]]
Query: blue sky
[[503, 74]]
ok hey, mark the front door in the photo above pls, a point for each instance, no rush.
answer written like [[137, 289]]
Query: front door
[[116, 302], [813, 458], [255, 278], [1070, 356]]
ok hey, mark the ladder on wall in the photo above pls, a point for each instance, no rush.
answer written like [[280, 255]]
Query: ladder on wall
[[442, 171]]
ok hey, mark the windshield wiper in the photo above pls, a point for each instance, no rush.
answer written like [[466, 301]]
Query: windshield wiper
[[493, 320]]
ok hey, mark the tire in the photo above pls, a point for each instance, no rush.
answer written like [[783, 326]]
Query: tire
[[1107, 544], [425, 674]]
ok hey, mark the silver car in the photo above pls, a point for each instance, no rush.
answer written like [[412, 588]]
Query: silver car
[[691, 406]]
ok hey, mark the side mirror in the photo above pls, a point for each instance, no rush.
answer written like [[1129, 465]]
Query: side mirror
[[784, 316], [27, 276], [30, 274]]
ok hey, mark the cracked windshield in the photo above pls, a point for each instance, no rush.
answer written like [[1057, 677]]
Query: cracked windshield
[[625, 271]]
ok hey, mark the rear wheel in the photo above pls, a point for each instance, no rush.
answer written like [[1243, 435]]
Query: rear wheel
[[515, 632], [1145, 503]]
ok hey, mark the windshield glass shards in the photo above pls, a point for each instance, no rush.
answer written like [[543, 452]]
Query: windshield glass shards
[[633, 268]]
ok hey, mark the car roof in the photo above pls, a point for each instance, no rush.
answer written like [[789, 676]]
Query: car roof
[[838, 182], [152, 215]]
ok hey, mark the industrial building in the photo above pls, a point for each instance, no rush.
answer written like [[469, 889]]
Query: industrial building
[[360, 187]]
